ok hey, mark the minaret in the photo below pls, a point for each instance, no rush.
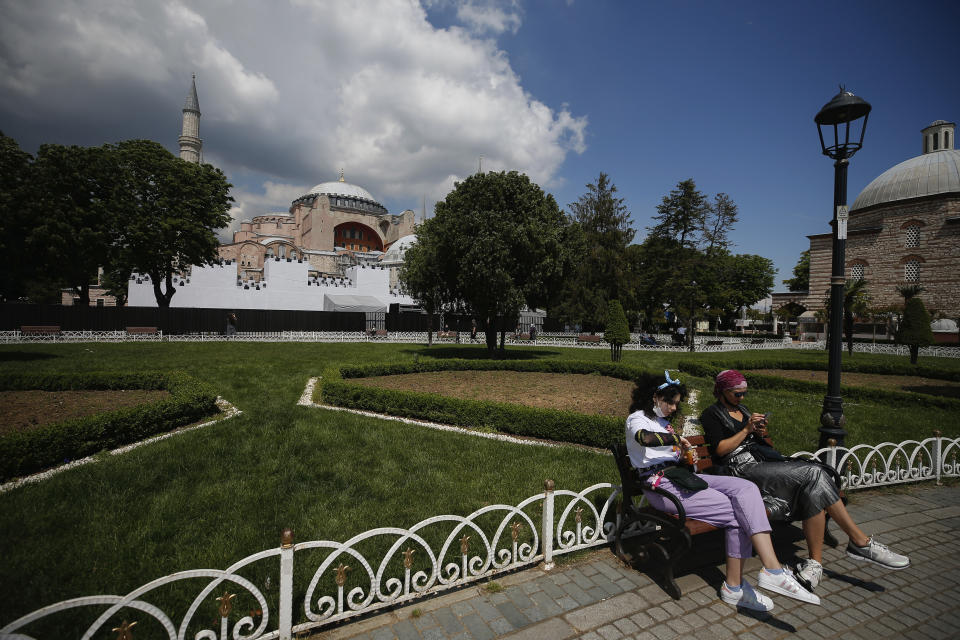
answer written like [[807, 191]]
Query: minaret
[[190, 143]]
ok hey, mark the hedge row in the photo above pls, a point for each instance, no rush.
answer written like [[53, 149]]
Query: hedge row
[[818, 362], [550, 424], [25, 452], [709, 369]]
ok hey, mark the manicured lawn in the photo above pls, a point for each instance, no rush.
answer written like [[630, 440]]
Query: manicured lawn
[[210, 497]]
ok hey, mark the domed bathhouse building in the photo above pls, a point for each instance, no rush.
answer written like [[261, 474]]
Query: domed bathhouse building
[[336, 249], [904, 229]]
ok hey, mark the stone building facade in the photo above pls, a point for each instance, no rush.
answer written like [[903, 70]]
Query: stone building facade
[[903, 229], [334, 226]]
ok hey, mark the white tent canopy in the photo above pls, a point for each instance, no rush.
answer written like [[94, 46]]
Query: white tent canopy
[[344, 302]]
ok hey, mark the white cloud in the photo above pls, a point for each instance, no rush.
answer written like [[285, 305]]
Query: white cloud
[[291, 91], [490, 17]]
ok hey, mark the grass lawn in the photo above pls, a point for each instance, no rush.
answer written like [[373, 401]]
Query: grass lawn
[[210, 497]]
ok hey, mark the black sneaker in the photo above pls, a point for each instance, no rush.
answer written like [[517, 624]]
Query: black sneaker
[[878, 554]]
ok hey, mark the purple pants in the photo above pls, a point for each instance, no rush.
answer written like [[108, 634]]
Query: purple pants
[[730, 503]]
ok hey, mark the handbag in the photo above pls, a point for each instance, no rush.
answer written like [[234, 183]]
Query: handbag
[[685, 479]]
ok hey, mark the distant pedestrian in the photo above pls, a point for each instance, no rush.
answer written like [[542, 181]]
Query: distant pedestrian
[[232, 324], [473, 331], [533, 332]]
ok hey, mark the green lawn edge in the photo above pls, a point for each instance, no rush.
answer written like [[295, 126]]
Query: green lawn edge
[[26, 452]]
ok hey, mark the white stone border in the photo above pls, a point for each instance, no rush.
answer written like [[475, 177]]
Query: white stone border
[[229, 411], [691, 426]]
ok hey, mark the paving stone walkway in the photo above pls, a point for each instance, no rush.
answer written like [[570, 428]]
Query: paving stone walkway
[[595, 597]]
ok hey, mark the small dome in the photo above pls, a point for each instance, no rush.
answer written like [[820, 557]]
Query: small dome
[[342, 189], [926, 175], [398, 248]]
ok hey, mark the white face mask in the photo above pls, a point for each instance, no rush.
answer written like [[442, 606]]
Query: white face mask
[[658, 410]]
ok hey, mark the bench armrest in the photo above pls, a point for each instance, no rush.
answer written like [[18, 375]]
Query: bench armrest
[[681, 512]]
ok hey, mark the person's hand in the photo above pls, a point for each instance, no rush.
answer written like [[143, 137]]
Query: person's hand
[[689, 448], [758, 422]]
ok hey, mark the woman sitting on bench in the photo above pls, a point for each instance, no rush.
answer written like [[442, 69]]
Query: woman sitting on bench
[[736, 437], [732, 504]]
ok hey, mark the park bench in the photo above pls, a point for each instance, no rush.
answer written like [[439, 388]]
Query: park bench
[[714, 343], [757, 341], [586, 337], [377, 333], [142, 331], [447, 334], [646, 537], [39, 331]]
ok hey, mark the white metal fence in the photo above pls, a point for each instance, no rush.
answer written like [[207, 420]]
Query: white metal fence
[[434, 555], [703, 343]]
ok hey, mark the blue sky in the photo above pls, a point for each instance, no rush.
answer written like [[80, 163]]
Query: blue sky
[[406, 95]]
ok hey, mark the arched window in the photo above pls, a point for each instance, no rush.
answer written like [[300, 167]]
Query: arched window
[[911, 271], [856, 272], [926, 144], [913, 235], [936, 141], [946, 139]]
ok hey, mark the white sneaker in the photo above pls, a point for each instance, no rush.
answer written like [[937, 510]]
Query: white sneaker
[[877, 553], [809, 574], [746, 597], [785, 584]]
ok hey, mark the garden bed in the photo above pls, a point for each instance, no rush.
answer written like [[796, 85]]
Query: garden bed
[[30, 409]]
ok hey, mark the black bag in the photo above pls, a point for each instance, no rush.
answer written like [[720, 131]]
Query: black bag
[[685, 479]]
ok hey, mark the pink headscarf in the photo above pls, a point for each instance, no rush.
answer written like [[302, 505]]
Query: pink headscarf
[[729, 379]]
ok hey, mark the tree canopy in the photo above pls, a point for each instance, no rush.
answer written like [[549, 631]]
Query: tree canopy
[[133, 206], [600, 233], [801, 274], [685, 262], [617, 332], [171, 209], [497, 245], [914, 330]]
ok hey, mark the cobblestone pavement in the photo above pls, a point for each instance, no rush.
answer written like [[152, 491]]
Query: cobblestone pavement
[[595, 597]]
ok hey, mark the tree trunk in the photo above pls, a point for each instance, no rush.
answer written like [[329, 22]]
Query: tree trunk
[[491, 335], [163, 298], [914, 353], [430, 329], [503, 340]]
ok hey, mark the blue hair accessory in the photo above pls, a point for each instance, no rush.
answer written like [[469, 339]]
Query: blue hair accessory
[[669, 382]]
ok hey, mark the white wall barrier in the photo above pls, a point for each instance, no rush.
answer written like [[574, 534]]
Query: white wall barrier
[[390, 565]]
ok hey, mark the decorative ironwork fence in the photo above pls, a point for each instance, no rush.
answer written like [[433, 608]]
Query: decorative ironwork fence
[[389, 566], [402, 566]]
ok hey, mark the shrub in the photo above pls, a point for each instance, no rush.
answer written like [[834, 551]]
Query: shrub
[[915, 331], [709, 369], [26, 452], [551, 424], [617, 332]]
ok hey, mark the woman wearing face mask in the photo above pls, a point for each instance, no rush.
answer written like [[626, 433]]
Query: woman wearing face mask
[[732, 504], [735, 436]]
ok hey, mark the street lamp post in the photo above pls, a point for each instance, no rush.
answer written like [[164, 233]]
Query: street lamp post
[[836, 117], [692, 329]]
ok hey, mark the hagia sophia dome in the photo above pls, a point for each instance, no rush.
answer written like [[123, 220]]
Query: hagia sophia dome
[[935, 172], [340, 188]]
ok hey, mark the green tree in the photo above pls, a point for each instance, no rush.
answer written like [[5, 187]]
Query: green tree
[[419, 275], [498, 244], [617, 332], [801, 274], [601, 232], [690, 244], [171, 209], [856, 301], [914, 330], [71, 189], [15, 217]]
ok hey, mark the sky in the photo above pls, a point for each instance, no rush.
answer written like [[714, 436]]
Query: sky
[[406, 96]]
